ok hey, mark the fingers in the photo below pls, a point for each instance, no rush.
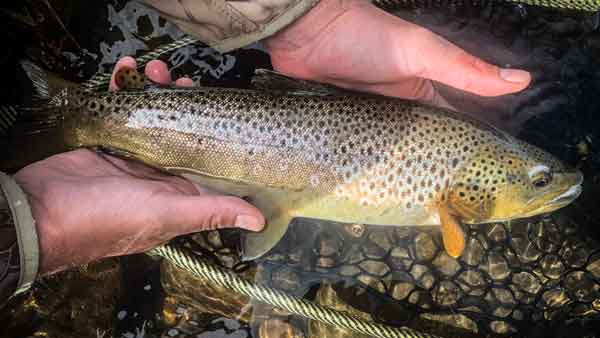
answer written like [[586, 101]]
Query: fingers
[[432, 57], [155, 70], [158, 72], [186, 214], [126, 62], [184, 82]]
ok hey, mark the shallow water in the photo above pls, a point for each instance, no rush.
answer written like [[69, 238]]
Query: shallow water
[[534, 278]]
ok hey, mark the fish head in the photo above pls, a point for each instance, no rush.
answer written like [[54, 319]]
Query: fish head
[[509, 180]]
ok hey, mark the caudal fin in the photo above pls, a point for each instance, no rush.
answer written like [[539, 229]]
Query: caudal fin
[[30, 130]]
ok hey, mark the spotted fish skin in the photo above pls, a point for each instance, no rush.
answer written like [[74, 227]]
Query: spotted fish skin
[[341, 157]]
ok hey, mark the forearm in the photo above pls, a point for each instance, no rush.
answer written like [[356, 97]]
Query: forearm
[[19, 252], [227, 25]]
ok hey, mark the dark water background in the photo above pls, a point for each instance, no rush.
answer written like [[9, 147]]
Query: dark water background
[[560, 112]]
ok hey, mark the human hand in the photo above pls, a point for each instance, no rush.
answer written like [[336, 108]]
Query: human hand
[[89, 205], [353, 44]]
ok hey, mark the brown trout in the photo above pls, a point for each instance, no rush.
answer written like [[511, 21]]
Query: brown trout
[[333, 156]]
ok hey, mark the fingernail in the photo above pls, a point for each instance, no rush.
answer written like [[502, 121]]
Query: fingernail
[[247, 222], [514, 75]]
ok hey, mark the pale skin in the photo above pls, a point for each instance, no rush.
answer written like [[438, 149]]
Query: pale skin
[[89, 206]]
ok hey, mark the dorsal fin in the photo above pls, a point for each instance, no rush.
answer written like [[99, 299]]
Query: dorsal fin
[[269, 80]]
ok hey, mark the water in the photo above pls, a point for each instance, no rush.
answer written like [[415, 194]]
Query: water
[[535, 278]]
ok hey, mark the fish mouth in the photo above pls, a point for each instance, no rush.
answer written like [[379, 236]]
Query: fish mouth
[[571, 194], [566, 196]]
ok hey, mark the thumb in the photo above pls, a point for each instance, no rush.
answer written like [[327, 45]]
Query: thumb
[[439, 60], [186, 214]]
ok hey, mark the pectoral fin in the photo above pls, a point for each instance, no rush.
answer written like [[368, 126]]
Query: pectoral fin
[[453, 235]]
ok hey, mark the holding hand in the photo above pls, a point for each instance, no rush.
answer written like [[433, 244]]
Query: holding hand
[[353, 44]]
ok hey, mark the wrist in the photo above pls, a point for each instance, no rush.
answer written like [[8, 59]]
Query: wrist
[[18, 217], [49, 239], [309, 26]]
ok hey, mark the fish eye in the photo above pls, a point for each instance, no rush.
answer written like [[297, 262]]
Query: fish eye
[[541, 180], [540, 176]]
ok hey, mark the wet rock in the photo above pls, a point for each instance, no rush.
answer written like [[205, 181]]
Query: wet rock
[[418, 270], [214, 239], [402, 232], [381, 239], [399, 259], [473, 252], [227, 257], [527, 282], [582, 310], [349, 270], [497, 267], [555, 298], [504, 296], [501, 327], [372, 282], [375, 268], [421, 299], [471, 308], [501, 311], [518, 315], [446, 293], [278, 328], [425, 247], [373, 251], [276, 257], [574, 253], [426, 281], [355, 257], [327, 296], [286, 279], [200, 295], [472, 278], [328, 246], [581, 287], [525, 250], [511, 257], [497, 233], [446, 264], [355, 230], [325, 262], [455, 320], [402, 290], [552, 266], [399, 252], [594, 266]]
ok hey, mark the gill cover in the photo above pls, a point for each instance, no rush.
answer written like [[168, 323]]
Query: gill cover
[[512, 180]]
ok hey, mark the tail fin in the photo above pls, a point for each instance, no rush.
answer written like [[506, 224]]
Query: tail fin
[[30, 131]]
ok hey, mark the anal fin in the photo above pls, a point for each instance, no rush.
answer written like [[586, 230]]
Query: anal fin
[[256, 244]]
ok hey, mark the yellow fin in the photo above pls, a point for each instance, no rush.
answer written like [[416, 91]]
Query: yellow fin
[[267, 200], [453, 235]]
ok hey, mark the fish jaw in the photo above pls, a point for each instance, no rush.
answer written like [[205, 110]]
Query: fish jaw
[[558, 198]]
